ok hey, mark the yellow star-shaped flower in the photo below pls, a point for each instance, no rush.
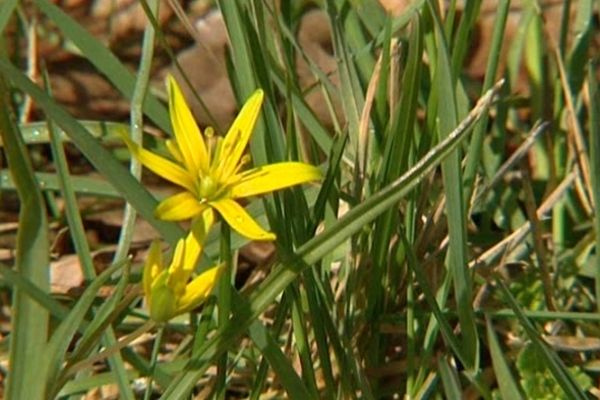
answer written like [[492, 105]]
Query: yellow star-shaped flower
[[168, 290], [209, 170]]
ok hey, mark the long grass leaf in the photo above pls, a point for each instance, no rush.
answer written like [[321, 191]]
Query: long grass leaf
[[594, 140], [294, 386], [554, 363], [104, 60], [508, 386], [447, 117], [450, 379], [30, 321], [475, 147], [48, 181]]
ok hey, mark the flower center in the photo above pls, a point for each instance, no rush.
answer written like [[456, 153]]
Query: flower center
[[208, 187]]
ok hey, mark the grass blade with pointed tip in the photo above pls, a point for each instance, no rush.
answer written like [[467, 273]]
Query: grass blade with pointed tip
[[509, 388]]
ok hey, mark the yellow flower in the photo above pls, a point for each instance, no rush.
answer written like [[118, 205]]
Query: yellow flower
[[169, 291], [209, 169]]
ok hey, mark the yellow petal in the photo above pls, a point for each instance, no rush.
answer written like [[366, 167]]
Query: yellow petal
[[178, 276], [199, 289], [237, 217], [152, 267], [161, 166], [179, 207], [201, 225], [273, 177], [189, 140], [237, 137], [174, 150]]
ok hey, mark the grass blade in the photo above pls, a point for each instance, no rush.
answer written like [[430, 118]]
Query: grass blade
[[447, 116], [509, 388], [554, 363], [594, 114], [29, 319], [56, 350], [7, 7], [105, 61], [288, 377], [475, 147], [450, 379]]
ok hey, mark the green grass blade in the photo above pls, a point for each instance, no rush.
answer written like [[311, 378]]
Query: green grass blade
[[105, 61], [294, 386], [508, 386], [76, 229], [554, 363], [306, 115], [442, 322], [101, 158], [583, 31], [352, 95], [355, 38], [301, 339], [140, 92], [56, 350], [594, 140], [60, 341], [447, 117], [37, 132], [15, 279], [245, 78], [81, 185], [398, 143], [7, 7], [463, 38], [475, 147], [61, 312], [260, 377], [30, 321], [401, 133], [450, 379]]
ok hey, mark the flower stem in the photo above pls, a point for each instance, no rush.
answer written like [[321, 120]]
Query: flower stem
[[153, 361], [224, 303]]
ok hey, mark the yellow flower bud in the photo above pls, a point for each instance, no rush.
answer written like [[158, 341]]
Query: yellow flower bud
[[172, 291], [163, 302]]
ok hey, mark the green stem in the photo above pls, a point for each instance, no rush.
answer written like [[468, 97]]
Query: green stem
[[153, 361], [137, 123], [224, 303]]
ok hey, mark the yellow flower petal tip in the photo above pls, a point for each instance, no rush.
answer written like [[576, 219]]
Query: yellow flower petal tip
[[170, 290], [210, 169]]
